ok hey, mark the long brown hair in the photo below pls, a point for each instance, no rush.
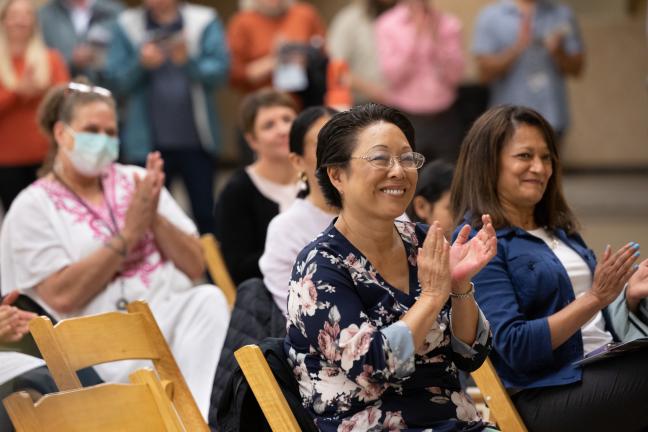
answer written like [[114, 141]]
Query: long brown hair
[[474, 187]]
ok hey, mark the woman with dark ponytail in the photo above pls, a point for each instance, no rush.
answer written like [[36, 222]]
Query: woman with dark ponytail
[[293, 229]]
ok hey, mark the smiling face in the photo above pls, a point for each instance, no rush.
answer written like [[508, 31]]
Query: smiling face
[[269, 138], [525, 167], [18, 21], [376, 192]]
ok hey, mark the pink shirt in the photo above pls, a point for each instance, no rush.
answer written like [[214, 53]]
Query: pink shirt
[[422, 70]]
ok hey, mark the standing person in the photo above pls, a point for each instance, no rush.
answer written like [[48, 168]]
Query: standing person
[[548, 301], [166, 59], [309, 215], [81, 31], [257, 193], [27, 70], [352, 39], [421, 56], [381, 312], [92, 235], [524, 50], [257, 34]]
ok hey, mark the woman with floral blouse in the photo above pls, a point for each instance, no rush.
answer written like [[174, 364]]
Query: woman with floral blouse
[[381, 312]]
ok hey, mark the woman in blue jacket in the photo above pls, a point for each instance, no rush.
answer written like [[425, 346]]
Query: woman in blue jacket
[[548, 301]]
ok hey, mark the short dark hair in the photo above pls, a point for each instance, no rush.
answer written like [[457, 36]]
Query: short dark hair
[[302, 124], [435, 179], [337, 139], [263, 98], [474, 188]]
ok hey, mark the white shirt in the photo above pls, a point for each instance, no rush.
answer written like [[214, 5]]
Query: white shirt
[[80, 17], [593, 331], [288, 234], [284, 195]]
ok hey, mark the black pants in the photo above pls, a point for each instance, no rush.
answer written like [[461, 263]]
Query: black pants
[[196, 168], [13, 179], [612, 396]]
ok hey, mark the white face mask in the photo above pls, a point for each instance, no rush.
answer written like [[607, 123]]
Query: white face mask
[[92, 152]]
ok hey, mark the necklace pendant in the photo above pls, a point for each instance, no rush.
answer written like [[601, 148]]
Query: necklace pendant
[[121, 304]]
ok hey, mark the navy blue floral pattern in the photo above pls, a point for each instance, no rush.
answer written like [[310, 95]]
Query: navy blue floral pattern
[[352, 357]]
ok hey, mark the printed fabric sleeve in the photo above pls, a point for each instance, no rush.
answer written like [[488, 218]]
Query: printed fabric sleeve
[[211, 67], [325, 307], [524, 344], [626, 324], [469, 357]]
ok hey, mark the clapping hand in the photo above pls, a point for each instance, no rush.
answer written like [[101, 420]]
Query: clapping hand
[[612, 273], [433, 265], [468, 257], [638, 286], [14, 322], [142, 210]]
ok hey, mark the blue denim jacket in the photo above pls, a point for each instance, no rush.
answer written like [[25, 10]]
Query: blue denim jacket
[[521, 286]]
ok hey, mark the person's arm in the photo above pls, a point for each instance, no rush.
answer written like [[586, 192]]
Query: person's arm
[[396, 48], [246, 72], [14, 322], [449, 49], [211, 67], [123, 70], [565, 45], [183, 249]]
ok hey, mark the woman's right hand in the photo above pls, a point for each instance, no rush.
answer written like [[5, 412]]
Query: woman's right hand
[[142, 209], [612, 273], [433, 263], [14, 322]]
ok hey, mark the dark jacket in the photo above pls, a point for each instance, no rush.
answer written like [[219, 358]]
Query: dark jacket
[[254, 317]]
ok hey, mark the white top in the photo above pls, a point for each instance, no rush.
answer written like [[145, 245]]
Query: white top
[[284, 195], [47, 229], [80, 15], [288, 234], [593, 331], [13, 364]]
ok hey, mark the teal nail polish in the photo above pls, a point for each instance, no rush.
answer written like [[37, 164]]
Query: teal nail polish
[[636, 254], [636, 246]]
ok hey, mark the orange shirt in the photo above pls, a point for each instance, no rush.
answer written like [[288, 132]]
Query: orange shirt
[[252, 35], [21, 141]]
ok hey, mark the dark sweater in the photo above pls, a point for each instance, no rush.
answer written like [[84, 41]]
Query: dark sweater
[[242, 218]]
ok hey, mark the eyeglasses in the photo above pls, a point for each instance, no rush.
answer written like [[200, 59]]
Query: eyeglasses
[[384, 160], [85, 88]]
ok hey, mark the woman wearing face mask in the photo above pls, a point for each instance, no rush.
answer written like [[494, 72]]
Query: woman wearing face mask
[[92, 235], [27, 70]]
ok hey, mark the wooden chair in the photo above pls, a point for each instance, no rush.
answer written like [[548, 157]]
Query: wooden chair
[[502, 410], [217, 268], [266, 389], [76, 343], [139, 406]]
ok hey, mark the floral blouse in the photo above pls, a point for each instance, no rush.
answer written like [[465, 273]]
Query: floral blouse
[[355, 361]]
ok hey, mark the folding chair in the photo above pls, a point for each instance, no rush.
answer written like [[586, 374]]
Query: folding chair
[[217, 268], [266, 389], [139, 406], [77, 343], [502, 410]]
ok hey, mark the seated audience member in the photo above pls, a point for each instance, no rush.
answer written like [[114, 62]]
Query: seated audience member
[[547, 299], [351, 38], [432, 196], [420, 51], [260, 191], [27, 70], [92, 235], [381, 312], [289, 232]]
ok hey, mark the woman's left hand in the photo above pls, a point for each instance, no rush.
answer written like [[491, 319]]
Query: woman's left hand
[[638, 286], [467, 258]]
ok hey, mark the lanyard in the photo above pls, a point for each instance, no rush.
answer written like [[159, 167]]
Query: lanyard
[[114, 228]]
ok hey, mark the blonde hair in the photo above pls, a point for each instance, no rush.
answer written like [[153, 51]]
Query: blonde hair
[[36, 57]]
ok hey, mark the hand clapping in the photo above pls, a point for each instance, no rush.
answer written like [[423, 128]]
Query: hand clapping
[[467, 258], [14, 322]]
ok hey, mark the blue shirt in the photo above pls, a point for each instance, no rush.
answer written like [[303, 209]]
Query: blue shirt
[[518, 290], [534, 80]]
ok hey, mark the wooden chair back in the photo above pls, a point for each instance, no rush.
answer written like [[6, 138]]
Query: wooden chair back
[[76, 343], [266, 389], [217, 268], [139, 406], [501, 408]]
